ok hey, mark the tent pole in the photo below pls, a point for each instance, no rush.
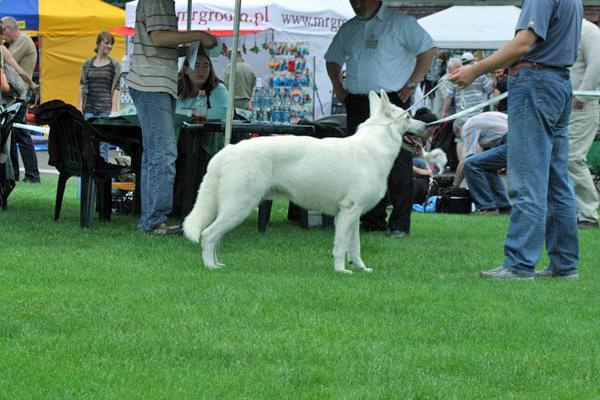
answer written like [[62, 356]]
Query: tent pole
[[231, 86], [314, 88], [189, 15]]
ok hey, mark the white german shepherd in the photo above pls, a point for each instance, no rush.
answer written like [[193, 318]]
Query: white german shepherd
[[344, 177]]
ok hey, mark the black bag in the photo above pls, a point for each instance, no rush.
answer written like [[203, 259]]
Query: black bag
[[454, 200], [438, 183]]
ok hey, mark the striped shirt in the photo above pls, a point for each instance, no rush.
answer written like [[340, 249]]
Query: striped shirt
[[100, 85], [477, 92], [153, 68]]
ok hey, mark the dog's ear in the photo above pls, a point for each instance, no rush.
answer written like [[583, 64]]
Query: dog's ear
[[374, 102], [385, 103], [384, 96], [385, 100]]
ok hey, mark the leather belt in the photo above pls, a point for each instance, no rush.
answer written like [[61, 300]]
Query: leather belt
[[532, 65]]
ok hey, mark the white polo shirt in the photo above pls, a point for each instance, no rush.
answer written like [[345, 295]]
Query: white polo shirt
[[379, 53], [486, 130]]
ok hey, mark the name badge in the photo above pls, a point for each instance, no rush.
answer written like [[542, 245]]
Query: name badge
[[372, 42]]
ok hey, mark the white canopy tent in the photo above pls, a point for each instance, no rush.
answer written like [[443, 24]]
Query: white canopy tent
[[311, 21], [472, 27]]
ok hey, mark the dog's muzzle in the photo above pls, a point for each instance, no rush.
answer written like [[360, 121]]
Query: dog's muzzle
[[417, 128]]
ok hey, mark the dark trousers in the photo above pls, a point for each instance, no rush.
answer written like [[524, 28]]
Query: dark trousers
[[444, 139], [22, 138], [400, 180]]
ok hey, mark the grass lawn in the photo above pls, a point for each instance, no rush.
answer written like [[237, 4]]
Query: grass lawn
[[112, 313]]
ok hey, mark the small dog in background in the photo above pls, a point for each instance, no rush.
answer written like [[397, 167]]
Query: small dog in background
[[436, 159]]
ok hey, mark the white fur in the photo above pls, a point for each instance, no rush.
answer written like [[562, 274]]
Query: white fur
[[436, 158], [342, 177]]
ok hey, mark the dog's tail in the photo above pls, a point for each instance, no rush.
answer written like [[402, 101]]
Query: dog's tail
[[205, 207]]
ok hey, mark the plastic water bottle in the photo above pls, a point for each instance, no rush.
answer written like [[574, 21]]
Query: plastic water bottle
[[266, 106], [276, 109], [125, 99], [200, 111], [257, 94], [286, 107]]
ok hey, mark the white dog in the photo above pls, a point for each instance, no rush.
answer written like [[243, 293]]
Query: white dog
[[344, 177], [436, 158]]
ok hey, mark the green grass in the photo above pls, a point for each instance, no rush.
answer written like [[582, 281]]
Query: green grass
[[112, 313]]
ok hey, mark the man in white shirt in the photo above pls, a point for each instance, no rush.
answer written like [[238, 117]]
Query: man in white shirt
[[484, 153], [382, 49]]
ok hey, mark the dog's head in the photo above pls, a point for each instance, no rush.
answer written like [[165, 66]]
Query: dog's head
[[436, 158], [383, 111]]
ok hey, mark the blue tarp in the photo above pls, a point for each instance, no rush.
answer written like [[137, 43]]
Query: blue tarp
[[25, 12]]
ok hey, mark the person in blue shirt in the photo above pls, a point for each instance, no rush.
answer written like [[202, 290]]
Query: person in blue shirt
[[539, 107], [201, 77]]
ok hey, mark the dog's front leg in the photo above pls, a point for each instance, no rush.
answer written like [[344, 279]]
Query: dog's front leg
[[343, 235], [354, 252]]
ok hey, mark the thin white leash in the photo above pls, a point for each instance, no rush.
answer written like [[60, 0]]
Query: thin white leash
[[426, 95], [469, 110], [579, 93]]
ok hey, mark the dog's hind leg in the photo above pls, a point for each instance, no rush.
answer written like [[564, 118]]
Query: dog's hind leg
[[344, 224], [354, 252], [232, 211]]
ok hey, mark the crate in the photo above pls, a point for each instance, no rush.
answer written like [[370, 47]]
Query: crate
[[122, 197]]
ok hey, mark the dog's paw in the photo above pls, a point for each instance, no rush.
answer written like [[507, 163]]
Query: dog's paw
[[359, 265], [343, 271], [216, 266]]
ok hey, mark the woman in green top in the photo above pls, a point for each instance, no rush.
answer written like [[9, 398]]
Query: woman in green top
[[201, 77]]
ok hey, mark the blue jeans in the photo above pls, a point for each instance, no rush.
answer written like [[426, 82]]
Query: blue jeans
[[539, 106], [156, 113], [103, 145], [485, 185]]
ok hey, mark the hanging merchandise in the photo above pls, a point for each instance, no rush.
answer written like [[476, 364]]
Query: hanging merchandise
[[265, 44], [255, 49], [290, 81]]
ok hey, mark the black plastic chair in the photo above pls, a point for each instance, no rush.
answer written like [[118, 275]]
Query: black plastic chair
[[7, 116], [73, 149]]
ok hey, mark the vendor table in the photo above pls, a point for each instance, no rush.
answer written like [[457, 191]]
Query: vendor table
[[197, 143]]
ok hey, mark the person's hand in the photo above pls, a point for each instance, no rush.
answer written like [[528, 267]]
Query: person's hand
[[340, 93], [577, 105], [405, 94], [34, 88], [462, 76]]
